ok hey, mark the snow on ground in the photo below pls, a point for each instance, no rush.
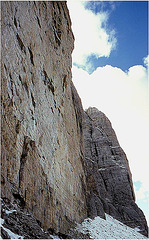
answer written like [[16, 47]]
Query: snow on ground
[[54, 237], [10, 233], [97, 228], [16, 236], [11, 211], [110, 228]]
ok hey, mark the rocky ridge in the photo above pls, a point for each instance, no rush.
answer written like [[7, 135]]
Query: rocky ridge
[[59, 165], [109, 180]]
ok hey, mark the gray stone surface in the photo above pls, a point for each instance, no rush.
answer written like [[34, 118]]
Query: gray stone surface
[[42, 140], [20, 221], [109, 181], [44, 166]]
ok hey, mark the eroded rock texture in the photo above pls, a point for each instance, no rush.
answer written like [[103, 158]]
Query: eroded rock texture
[[42, 140], [43, 165], [20, 220], [109, 181]]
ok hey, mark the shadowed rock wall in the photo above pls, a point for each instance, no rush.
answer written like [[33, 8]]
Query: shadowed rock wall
[[42, 140], [109, 180]]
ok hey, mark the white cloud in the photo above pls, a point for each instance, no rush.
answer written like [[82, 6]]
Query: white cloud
[[122, 96], [146, 61], [142, 200], [91, 35], [142, 193]]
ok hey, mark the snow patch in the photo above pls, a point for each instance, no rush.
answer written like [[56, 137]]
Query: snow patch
[[137, 229], [11, 211], [110, 228], [54, 237], [10, 233], [1, 221]]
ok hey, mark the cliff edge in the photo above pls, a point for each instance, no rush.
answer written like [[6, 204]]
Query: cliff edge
[[42, 138], [109, 180], [59, 165]]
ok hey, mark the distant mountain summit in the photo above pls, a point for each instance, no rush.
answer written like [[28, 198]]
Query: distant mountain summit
[[109, 180]]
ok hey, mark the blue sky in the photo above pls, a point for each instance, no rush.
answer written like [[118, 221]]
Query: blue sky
[[110, 72], [129, 19]]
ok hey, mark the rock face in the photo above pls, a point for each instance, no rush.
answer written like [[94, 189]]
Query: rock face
[[45, 168], [20, 221], [109, 181], [42, 139]]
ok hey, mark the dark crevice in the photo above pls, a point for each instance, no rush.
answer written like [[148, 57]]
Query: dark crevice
[[24, 69], [15, 22], [20, 78], [128, 177], [32, 78], [10, 76], [39, 223], [113, 152], [31, 56], [50, 230], [28, 143], [55, 104], [64, 82], [11, 81], [91, 131], [5, 67], [23, 159], [62, 235], [96, 151], [38, 21], [58, 6], [21, 200], [2, 179], [21, 45], [18, 126], [53, 5], [33, 101], [26, 88], [48, 82]]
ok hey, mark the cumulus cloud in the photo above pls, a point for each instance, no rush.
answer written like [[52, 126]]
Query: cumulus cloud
[[122, 96], [146, 61], [142, 193], [91, 34]]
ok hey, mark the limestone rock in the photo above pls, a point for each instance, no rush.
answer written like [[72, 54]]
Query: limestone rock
[[109, 181], [45, 168], [21, 222], [42, 139]]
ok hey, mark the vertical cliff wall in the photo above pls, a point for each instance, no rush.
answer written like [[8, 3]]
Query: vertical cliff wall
[[109, 180], [44, 164], [42, 141]]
